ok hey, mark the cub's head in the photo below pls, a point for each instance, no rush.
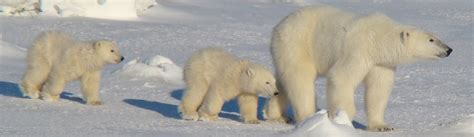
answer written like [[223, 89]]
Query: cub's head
[[255, 79], [423, 45], [108, 51]]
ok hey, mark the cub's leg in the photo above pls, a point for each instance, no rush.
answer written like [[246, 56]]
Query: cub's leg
[[248, 104]]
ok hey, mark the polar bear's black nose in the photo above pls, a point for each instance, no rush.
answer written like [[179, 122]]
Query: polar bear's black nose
[[121, 59], [276, 93], [449, 51]]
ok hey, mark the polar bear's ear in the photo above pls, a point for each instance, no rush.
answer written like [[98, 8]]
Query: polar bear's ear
[[250, 72], [97, 44], [404, 36]]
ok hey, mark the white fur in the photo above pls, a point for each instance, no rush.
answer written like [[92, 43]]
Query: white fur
[[324, 41], [213, 77], [55, 59]]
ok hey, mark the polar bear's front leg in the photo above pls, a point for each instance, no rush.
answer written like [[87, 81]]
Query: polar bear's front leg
[[343, 79], [248, 104], [378, 83], [298, 82], [211, 106], [90, 84], [53, 88]]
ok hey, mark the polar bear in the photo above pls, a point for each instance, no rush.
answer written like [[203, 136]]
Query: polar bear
[[213, 76], [55, 59], [347, 49]]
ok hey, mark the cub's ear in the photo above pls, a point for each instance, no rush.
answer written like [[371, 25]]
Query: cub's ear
[[404, 35], [250, 72], [98, 44]]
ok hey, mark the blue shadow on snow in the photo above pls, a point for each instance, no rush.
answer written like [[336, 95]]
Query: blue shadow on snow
[[230, 110], [167, 110], [12, 90]]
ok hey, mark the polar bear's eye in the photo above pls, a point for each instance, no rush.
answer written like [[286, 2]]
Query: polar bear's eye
[[431, 40], [111, 50], [267, 82]]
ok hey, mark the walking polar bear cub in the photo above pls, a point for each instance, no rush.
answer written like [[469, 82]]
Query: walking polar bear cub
[[213, 76], [347, 49], [55, 59]]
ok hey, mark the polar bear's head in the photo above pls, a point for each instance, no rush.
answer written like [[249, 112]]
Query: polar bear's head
[[423, 45], [255, 79], [108, 51]]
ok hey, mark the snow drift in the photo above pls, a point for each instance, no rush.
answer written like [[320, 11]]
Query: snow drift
[[108, 9], [155, 67], [319, 125]]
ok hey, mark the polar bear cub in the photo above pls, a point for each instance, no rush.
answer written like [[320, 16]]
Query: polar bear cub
[[213, 77], [55, 59]]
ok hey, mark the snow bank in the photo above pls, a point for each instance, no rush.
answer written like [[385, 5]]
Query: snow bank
[[319, 125], [108, 9], [156, 67]]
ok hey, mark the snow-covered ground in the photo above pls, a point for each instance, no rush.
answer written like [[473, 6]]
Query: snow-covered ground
[[433, 98]]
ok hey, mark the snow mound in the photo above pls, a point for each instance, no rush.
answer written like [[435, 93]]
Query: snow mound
[[107, 9], [319, 125], [463, 126], [155, 67]]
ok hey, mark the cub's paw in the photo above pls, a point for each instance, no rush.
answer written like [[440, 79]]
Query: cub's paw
[[190, 117], [279, 120], [94, 103], [207, 118], [381, 129], [251, 121], [32, 95], [50, 98]]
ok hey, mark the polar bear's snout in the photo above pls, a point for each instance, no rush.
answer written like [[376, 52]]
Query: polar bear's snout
[[447, 51], [122, 58], [275, 94]]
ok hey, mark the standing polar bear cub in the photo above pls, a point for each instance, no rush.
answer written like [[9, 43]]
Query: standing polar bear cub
[[347, 49], [55, 59], [213, 76]]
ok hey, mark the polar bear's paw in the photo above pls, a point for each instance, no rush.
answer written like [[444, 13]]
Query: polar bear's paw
[[94, 103], [279, 120], [251, 121], [29, 93], [190, 117], [50, 98], [32, 95], [381, 129], [207, 118]]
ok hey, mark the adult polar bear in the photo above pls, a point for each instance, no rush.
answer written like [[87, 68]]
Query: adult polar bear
[[324, 41]]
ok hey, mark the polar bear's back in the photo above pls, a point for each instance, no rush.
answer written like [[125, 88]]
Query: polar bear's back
[[49, 45], [208, 63], [313, 33]]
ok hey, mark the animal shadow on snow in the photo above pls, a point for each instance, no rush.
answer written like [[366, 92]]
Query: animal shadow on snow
[[230, 110], [167, 110], [12, 90]]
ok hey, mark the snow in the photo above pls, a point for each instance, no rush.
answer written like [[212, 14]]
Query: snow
[[320, 125], [106, 9], [429, 99], [157, 67]]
